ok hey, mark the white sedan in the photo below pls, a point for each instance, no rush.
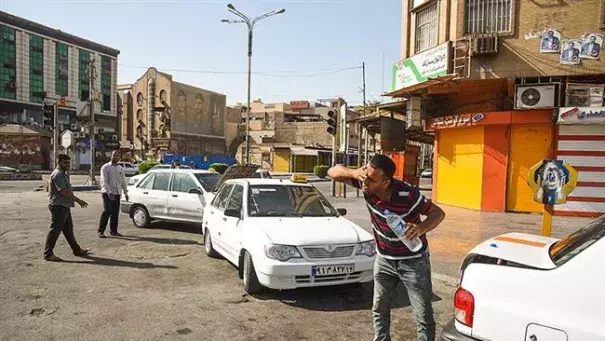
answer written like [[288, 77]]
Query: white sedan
[[527, 287], [285, 235], [170, 195]]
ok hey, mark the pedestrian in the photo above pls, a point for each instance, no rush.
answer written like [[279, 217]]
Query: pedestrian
[[395, 262], [61, 200], [113, 182]]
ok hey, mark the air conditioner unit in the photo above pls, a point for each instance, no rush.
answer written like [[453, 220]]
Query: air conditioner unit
[[484, 45], [76, 135], [114, 137], [536, 96], [584, 95]]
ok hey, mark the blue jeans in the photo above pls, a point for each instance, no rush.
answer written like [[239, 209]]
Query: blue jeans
[[415, 275]]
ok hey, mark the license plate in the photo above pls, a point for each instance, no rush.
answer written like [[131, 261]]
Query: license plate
[[326, 270]]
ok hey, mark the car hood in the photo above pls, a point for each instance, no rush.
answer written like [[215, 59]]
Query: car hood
[[311, 230], [526, 249]]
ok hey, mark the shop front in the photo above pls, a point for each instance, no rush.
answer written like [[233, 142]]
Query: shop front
[[481, 160], [580, 140]]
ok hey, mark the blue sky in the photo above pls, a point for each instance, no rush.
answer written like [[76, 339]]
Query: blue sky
[[312, 37]]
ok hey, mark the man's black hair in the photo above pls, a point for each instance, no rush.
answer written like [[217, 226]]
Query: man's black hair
[[383, 163], [63, 157]]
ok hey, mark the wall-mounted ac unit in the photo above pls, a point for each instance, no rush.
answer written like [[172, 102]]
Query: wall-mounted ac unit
[[584, 95], [536, 96], [484, 45]]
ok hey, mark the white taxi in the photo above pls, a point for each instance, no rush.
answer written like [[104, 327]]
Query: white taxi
[[282, 234], [170, 195], [527, 287]]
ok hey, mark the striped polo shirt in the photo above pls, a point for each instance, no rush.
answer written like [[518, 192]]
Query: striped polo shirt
[[406, 201]]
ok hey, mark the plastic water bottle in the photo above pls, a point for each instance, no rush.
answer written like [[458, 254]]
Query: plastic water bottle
[[397, 225]]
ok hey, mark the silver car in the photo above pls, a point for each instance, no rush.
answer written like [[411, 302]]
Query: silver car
[[178, 195]]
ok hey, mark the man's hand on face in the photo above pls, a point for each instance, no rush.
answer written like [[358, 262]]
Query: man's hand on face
[[361, 173]]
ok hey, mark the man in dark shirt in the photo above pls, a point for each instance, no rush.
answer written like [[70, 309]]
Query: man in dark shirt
[[395, 262], [61, 199]]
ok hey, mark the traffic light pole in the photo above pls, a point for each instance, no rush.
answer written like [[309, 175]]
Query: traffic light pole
[[55, 132], [91, 128]]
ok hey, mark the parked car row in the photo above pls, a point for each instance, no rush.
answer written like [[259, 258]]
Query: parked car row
[[280, 234]]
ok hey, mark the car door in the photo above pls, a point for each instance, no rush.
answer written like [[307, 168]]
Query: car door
[[215, 220], [154, 194], [186, 201], [231, 225]]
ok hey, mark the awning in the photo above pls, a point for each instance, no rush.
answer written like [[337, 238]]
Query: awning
[[304, 152], [421, 86]]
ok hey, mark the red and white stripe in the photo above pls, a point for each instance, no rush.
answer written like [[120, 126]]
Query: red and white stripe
[[583, 146]]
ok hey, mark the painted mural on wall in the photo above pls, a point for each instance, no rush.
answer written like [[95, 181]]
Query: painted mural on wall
[[198, 113]]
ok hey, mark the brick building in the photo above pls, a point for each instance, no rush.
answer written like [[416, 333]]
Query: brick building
[[36, 60], [502, 85]]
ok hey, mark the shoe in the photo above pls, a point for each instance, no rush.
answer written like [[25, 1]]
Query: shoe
[[53, 258], [101, 235], [116, 234], [82, 253]]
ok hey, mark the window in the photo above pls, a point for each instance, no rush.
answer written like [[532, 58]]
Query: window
[[62, 68], [488, 16], [83, 82], [235, 203], [8, 63], [222, 198], [208, 180], [572, 245], [183, 183], [160, 183], [36, 69], [426, 28], [147, 183], [106, 83]]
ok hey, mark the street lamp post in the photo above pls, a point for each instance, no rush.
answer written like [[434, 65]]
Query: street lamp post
[[250, 22]]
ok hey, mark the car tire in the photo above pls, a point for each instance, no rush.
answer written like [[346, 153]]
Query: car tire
[[210, 251], [251, 283], [140, 217]]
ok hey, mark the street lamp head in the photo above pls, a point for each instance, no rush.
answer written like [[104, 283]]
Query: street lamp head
[[225, 20], [280, 11], [230, 6]]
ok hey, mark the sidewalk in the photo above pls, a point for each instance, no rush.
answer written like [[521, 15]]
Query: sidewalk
[[463, 229]]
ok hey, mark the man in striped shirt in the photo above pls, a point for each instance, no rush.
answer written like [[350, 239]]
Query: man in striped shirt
[[395, 262]]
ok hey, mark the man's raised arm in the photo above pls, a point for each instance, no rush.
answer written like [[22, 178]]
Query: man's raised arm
[[349, 176]]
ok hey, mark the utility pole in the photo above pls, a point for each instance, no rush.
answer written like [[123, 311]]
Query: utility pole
[[91, 111], [359, 130], [55, 132]]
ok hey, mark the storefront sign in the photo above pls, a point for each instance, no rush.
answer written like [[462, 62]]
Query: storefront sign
[[581, 115], [112, 145], [299, 105], [421, 67], [462, 120]]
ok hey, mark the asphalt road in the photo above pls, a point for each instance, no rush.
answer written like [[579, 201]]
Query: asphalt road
[[158, 284]]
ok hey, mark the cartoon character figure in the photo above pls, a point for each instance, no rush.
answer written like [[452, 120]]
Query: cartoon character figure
[[551, 182]]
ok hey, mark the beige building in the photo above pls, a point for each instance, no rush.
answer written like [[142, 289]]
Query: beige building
[[172, 117]]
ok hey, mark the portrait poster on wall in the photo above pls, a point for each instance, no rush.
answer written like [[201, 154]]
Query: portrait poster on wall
[[570, 52], [591, 46], [550, 41]]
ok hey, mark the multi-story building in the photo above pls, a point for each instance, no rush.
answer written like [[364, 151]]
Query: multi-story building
[[167, 117], [502, 85], [38, 61]]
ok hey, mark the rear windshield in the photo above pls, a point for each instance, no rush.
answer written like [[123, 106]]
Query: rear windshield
[[572, 245]]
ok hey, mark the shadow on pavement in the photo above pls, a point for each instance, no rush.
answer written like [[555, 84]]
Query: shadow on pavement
[[166, 241], [335, 298], [119, 263], [178, 227]]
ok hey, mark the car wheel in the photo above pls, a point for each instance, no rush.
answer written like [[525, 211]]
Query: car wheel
[[251, 283], [210, 251], [140, 217]]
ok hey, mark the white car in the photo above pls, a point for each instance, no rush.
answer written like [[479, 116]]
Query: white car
[[169, 195], [527, 287], [136, 178], [284, 235], [129, 168]]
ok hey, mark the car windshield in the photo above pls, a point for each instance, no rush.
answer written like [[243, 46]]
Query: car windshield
[[208, 180], [572, 245], [288, 201]]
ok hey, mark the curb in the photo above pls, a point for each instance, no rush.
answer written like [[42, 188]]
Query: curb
[[448, 280]]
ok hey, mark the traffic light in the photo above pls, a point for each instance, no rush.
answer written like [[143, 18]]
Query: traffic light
[[49, 115], [332, 122]]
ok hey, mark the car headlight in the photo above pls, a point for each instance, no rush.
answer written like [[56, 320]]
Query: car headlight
[[282, 252], [367, 248]]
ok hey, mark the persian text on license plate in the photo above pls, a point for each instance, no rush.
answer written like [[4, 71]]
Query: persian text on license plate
[[326, 270]]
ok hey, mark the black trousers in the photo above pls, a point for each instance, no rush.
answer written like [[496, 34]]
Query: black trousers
[[60, 221], [111, 209]]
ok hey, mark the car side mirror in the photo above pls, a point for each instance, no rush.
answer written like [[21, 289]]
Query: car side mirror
[[342, 211], [195, 191], [233, 213]]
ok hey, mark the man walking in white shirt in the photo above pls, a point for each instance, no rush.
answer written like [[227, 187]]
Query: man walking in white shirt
[[113, 182]]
